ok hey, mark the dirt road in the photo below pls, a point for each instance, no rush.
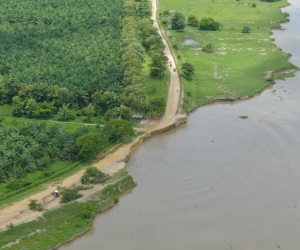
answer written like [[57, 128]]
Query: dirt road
[[19, 212], [174, 89]]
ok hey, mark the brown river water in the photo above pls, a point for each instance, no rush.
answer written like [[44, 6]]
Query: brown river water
[[218, 182]]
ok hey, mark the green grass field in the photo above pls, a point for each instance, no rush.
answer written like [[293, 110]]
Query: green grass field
[[240, 64]]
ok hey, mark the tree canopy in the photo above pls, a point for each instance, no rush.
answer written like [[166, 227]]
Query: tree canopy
[[193, 21], [246, 29], [116, 129], [91, 145], [188, 71], [209, 24], [61, 42], [178, 21]]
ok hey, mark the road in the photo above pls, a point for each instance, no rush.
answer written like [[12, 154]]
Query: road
[[174, 89]]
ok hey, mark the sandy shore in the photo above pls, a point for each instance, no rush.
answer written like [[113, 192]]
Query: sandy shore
[[19, 212]]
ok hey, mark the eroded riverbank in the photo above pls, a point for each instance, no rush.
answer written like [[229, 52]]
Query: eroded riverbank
[[218, 182]]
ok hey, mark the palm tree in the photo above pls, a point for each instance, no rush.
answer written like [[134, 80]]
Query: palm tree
[[81, 97], [115, 87]]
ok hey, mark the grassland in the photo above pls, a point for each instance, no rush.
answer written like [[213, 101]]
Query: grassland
[[242, 62]]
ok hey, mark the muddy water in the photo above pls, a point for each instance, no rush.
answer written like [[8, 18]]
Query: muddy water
[[218, 182]]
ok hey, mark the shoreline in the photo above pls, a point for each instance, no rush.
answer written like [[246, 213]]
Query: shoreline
[[110, 164], [183, 119], [245, 98], [125, 151], [18, 212]]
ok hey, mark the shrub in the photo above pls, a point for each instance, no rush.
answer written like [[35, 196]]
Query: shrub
[[65, 113], [178, 21], [209, 24], [35, 206], [87, 210], [209, 48], [176, 46], [69, 194], [94, 176], [157, 104], [116, 189], [246, 29], [90, 145], [14, 184], [193, 21]]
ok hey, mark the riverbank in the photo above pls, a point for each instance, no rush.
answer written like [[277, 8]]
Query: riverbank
[[117, 161], [27, 223], [61, 224], [241, 64], [230, 182], [19, 212]]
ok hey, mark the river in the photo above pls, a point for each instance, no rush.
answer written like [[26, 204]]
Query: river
[[219, 181]]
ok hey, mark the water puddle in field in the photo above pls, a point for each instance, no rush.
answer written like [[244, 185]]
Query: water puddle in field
[[189, 41]]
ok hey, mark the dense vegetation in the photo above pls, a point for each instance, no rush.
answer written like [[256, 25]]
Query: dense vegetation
[[93, 175], [35, 146], [32, 147], [65, 59], [73, 44], [78, 58], [71, 55]]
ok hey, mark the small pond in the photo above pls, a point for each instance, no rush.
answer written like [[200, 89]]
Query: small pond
[[189, 41]]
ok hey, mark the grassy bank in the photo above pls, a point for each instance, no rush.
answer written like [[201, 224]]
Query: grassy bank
[[61, 224], [241, 63]]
